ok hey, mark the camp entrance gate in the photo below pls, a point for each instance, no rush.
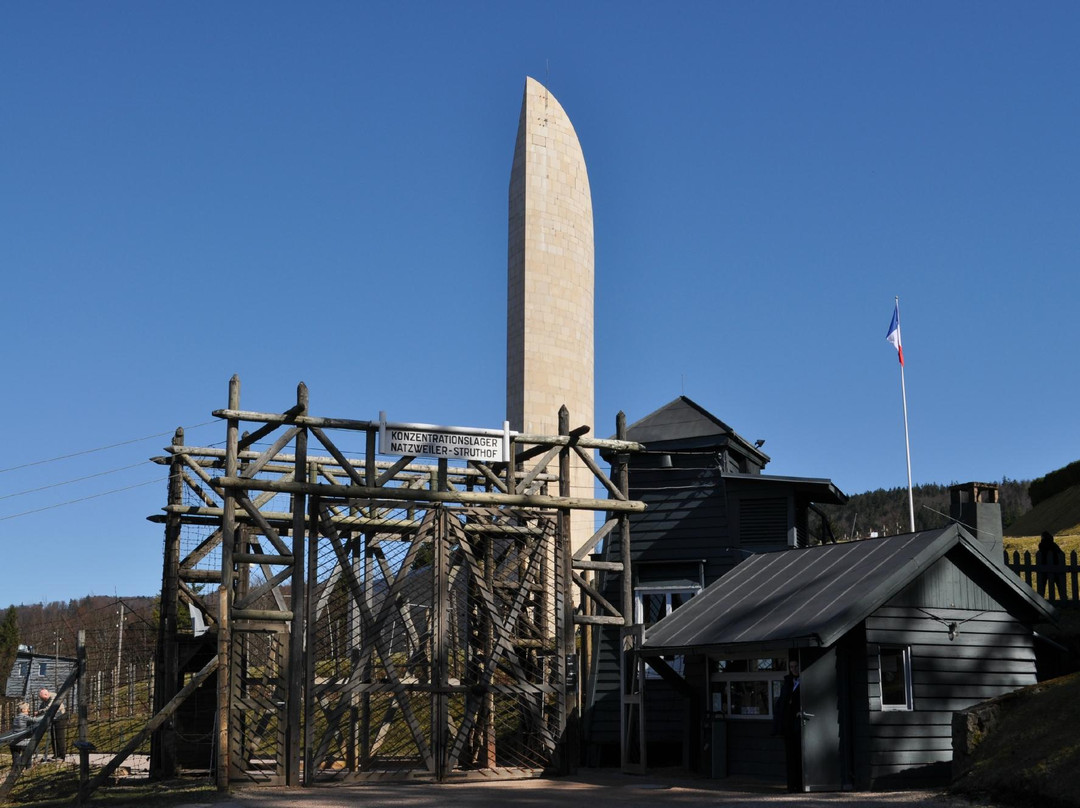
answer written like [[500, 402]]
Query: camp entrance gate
[[373, 617], [432, 651]]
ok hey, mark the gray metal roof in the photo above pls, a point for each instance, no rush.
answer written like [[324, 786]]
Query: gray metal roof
[[814, 596]]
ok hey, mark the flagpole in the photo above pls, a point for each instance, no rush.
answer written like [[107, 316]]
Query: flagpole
[[907, 440]]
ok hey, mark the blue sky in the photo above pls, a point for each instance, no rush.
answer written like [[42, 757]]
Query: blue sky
[[288, 193]]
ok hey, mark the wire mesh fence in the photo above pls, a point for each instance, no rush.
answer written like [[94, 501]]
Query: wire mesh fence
[[261, 675], [435, 645]]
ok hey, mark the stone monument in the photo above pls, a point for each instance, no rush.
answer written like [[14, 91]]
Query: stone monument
[[550, 283]]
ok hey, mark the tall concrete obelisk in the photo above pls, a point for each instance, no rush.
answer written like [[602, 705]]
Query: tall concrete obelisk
[[550, 291]]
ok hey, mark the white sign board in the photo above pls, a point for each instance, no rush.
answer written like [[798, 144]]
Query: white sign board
[[451, 442]]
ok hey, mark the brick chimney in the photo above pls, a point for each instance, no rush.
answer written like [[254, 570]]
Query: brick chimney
[[977, 508]]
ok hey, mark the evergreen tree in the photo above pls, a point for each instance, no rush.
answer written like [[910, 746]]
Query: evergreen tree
[[886, 511], [9, 641]]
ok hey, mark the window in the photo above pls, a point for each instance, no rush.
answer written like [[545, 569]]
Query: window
[[43, 669], [749, 698], [894, 669], [746, 688], [652, 604], [24, 669]]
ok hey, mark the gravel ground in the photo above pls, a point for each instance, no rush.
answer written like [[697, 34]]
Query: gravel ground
[[595, 789]]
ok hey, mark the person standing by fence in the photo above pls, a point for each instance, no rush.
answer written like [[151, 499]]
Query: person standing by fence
[[1050, 559], [58, 730], [21, 721]]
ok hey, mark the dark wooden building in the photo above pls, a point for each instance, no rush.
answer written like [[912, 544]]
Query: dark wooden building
[[893, 636], [709, 506]]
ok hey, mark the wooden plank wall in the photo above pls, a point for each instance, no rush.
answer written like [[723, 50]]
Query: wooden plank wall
[[753, 751], [686, 514], [602, 712], [992, 654]]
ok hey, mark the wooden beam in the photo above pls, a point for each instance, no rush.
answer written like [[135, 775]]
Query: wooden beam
[[595, 594], [588, 546], [347, 423], [414, 495], [213, 516], [605, 566], [599, 473], [254, 468], [597, 620], [201, 576], [263, 558], [263, 431], [163, 715], [271, 615], [527, 480]]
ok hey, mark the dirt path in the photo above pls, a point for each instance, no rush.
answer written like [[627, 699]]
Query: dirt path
[[594, 789]]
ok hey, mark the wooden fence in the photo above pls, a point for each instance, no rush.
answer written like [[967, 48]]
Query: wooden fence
[[1055, 582]]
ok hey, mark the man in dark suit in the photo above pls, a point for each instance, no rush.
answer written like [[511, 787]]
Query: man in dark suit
[[788, 718]]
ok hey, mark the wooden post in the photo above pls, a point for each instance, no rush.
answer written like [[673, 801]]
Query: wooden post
[[224, 683], [167, 674], [309, 638], [568, 705], [361, 713], [440, 613], [225, 596], [489, 753], [242, 577], [623, 482], [80, 692], [294, 703], [511, 468]]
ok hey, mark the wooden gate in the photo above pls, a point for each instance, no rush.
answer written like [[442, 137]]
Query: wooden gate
[[455, 661], [381, 617]]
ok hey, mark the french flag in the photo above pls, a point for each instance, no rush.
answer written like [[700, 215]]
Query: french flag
[[894, 332]]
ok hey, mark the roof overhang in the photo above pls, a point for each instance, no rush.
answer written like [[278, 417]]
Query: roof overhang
[[814, 489], [741, 649]]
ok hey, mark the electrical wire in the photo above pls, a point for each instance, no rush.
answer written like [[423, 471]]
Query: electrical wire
[[84, 499], [75, 480], [101, 448], [87, 477]]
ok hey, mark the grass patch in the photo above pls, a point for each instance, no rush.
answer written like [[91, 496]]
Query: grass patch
[[1030, 544], [1066, 542], [46, 785], [1031, 755]]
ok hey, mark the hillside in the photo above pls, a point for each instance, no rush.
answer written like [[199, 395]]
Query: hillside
[[52, 628], [885, 511], [1060, 514]]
